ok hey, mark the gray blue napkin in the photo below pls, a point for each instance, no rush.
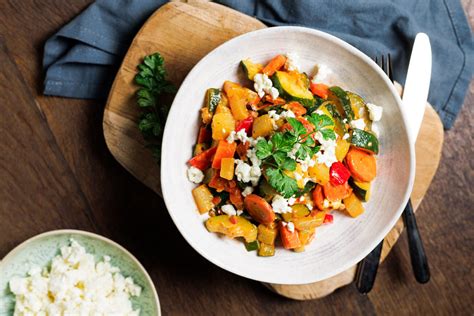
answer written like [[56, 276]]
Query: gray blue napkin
[[81, 60]]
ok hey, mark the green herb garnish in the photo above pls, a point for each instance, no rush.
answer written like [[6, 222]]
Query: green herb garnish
[[280, 152], [154, 87]]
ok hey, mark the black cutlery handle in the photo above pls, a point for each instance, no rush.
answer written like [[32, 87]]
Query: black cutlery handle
[[419, 262], [367, 270]]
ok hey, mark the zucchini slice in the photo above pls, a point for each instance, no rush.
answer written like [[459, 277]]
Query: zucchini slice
[[359, 108], [330, 109], [250, 68], [292, 86], [365, 140], [361, 189], [213, 97], [345, 103]]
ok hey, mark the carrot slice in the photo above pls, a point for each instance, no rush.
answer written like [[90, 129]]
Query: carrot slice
[[336, 192], [296, 108], [361, 164], [259, 209], [290, 240], [318, 197], [319, 89], [224, 150], [204, 159], [275, 64]]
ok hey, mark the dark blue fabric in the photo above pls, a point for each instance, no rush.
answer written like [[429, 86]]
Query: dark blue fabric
[[82, 58]]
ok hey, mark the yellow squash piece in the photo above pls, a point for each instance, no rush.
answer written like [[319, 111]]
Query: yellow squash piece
[[267, 234], [266, 250], [353, 205], [262, 126], [238, 98], [342, 147], [238, 226], [319, 173], [222, 125], [227, 168], [203, 198]]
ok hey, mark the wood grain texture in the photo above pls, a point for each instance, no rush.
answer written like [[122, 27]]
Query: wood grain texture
[[126, 211], [161, 34]]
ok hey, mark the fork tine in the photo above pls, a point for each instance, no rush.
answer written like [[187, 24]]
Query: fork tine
[[384, 68], [390, 69]]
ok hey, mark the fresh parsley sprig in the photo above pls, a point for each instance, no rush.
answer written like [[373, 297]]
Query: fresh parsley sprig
[[154, 87], [280, 152]]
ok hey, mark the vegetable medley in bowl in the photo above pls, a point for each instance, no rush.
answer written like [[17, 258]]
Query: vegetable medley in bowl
[[273, 161]]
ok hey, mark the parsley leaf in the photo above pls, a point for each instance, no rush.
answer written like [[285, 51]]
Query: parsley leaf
[[298, 127], [285, 185], [264, 149], [321, 122], [153, 89]]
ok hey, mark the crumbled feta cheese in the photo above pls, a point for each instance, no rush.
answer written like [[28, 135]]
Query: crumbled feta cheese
[[240, 135], [333, 205], [297, 176], [284, 223], [360, 124], [293, 151], [291, 200], [375, 129], [309, 205], [263, 84], [246, 173], [231, 138], [287, 113], [320, 112], [346, 136], [274, 125], [327, 152], [322, 74], [252, 155], [306, 163], [239, 212], [375, 112], [195, 175], [248, 190], [274, 93], [75, 285], [280, 205], [273, 114], [228, 209], [292, 61], [344, 121], [291, 227]]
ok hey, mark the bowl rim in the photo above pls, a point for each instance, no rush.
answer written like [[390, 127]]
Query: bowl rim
[[12, 253], [167, 192]]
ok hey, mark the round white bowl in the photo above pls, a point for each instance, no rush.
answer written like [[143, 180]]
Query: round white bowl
[[336, 247]]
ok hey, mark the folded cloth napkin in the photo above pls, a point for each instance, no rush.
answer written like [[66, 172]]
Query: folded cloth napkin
[[80, 60]]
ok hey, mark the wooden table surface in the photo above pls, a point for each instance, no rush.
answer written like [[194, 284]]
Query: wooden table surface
[[56, 172]]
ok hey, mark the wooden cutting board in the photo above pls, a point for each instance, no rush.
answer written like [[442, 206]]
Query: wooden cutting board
[[184, 33]]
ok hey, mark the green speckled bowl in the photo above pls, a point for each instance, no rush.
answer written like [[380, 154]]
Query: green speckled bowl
[[39, 250]]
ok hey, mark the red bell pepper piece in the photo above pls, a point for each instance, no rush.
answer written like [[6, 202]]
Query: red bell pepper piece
[[204, 159], [328, 219], [319, 89], [338, 173], [245, 124]]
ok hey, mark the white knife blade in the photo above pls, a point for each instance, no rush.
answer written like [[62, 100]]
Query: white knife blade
[[417, 84]]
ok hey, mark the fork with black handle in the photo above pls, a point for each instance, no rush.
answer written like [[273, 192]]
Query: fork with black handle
[[367, 268]]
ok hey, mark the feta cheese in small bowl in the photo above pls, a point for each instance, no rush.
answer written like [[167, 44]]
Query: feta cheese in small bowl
[[74, 272]]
